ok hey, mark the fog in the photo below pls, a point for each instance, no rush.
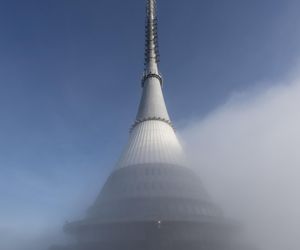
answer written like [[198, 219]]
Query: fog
[[248, 154]]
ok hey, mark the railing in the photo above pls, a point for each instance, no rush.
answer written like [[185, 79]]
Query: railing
[[145, 76]]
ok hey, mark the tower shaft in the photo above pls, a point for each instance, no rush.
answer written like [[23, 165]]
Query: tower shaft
[[152, 137]]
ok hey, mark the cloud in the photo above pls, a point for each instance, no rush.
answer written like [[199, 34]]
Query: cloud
[[248, 154]]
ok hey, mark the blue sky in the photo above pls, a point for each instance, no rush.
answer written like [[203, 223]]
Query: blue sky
[[70, 85]]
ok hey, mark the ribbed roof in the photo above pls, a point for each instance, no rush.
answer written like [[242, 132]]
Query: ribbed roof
[[152, 141]]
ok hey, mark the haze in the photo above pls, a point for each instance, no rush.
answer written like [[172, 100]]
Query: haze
[[70, 84]]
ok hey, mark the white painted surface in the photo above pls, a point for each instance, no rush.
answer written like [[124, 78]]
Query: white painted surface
[[152, 142], [152, 103], [152, 139]]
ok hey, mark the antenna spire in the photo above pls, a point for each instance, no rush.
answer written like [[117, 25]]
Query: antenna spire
[[151, 43]]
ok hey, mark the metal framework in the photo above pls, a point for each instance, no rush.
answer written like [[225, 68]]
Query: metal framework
[[151, 35]]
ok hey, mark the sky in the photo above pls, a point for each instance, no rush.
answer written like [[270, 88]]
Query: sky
[[70, 74]]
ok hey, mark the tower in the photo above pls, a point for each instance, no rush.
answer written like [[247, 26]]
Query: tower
[[152, 200]]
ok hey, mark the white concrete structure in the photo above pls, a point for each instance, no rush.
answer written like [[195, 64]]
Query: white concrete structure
[[152, 141], [152, 201], [152, 137]]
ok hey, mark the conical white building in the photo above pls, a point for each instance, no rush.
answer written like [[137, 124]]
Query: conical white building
[[152, 200]]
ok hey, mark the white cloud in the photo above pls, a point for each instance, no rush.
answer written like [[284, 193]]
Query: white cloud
[[248, 154]]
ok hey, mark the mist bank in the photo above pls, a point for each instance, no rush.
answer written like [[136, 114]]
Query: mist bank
[[247, 153]]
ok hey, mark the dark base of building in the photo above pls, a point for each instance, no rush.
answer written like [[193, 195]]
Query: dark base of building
[[157, 236], [175, 245]]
